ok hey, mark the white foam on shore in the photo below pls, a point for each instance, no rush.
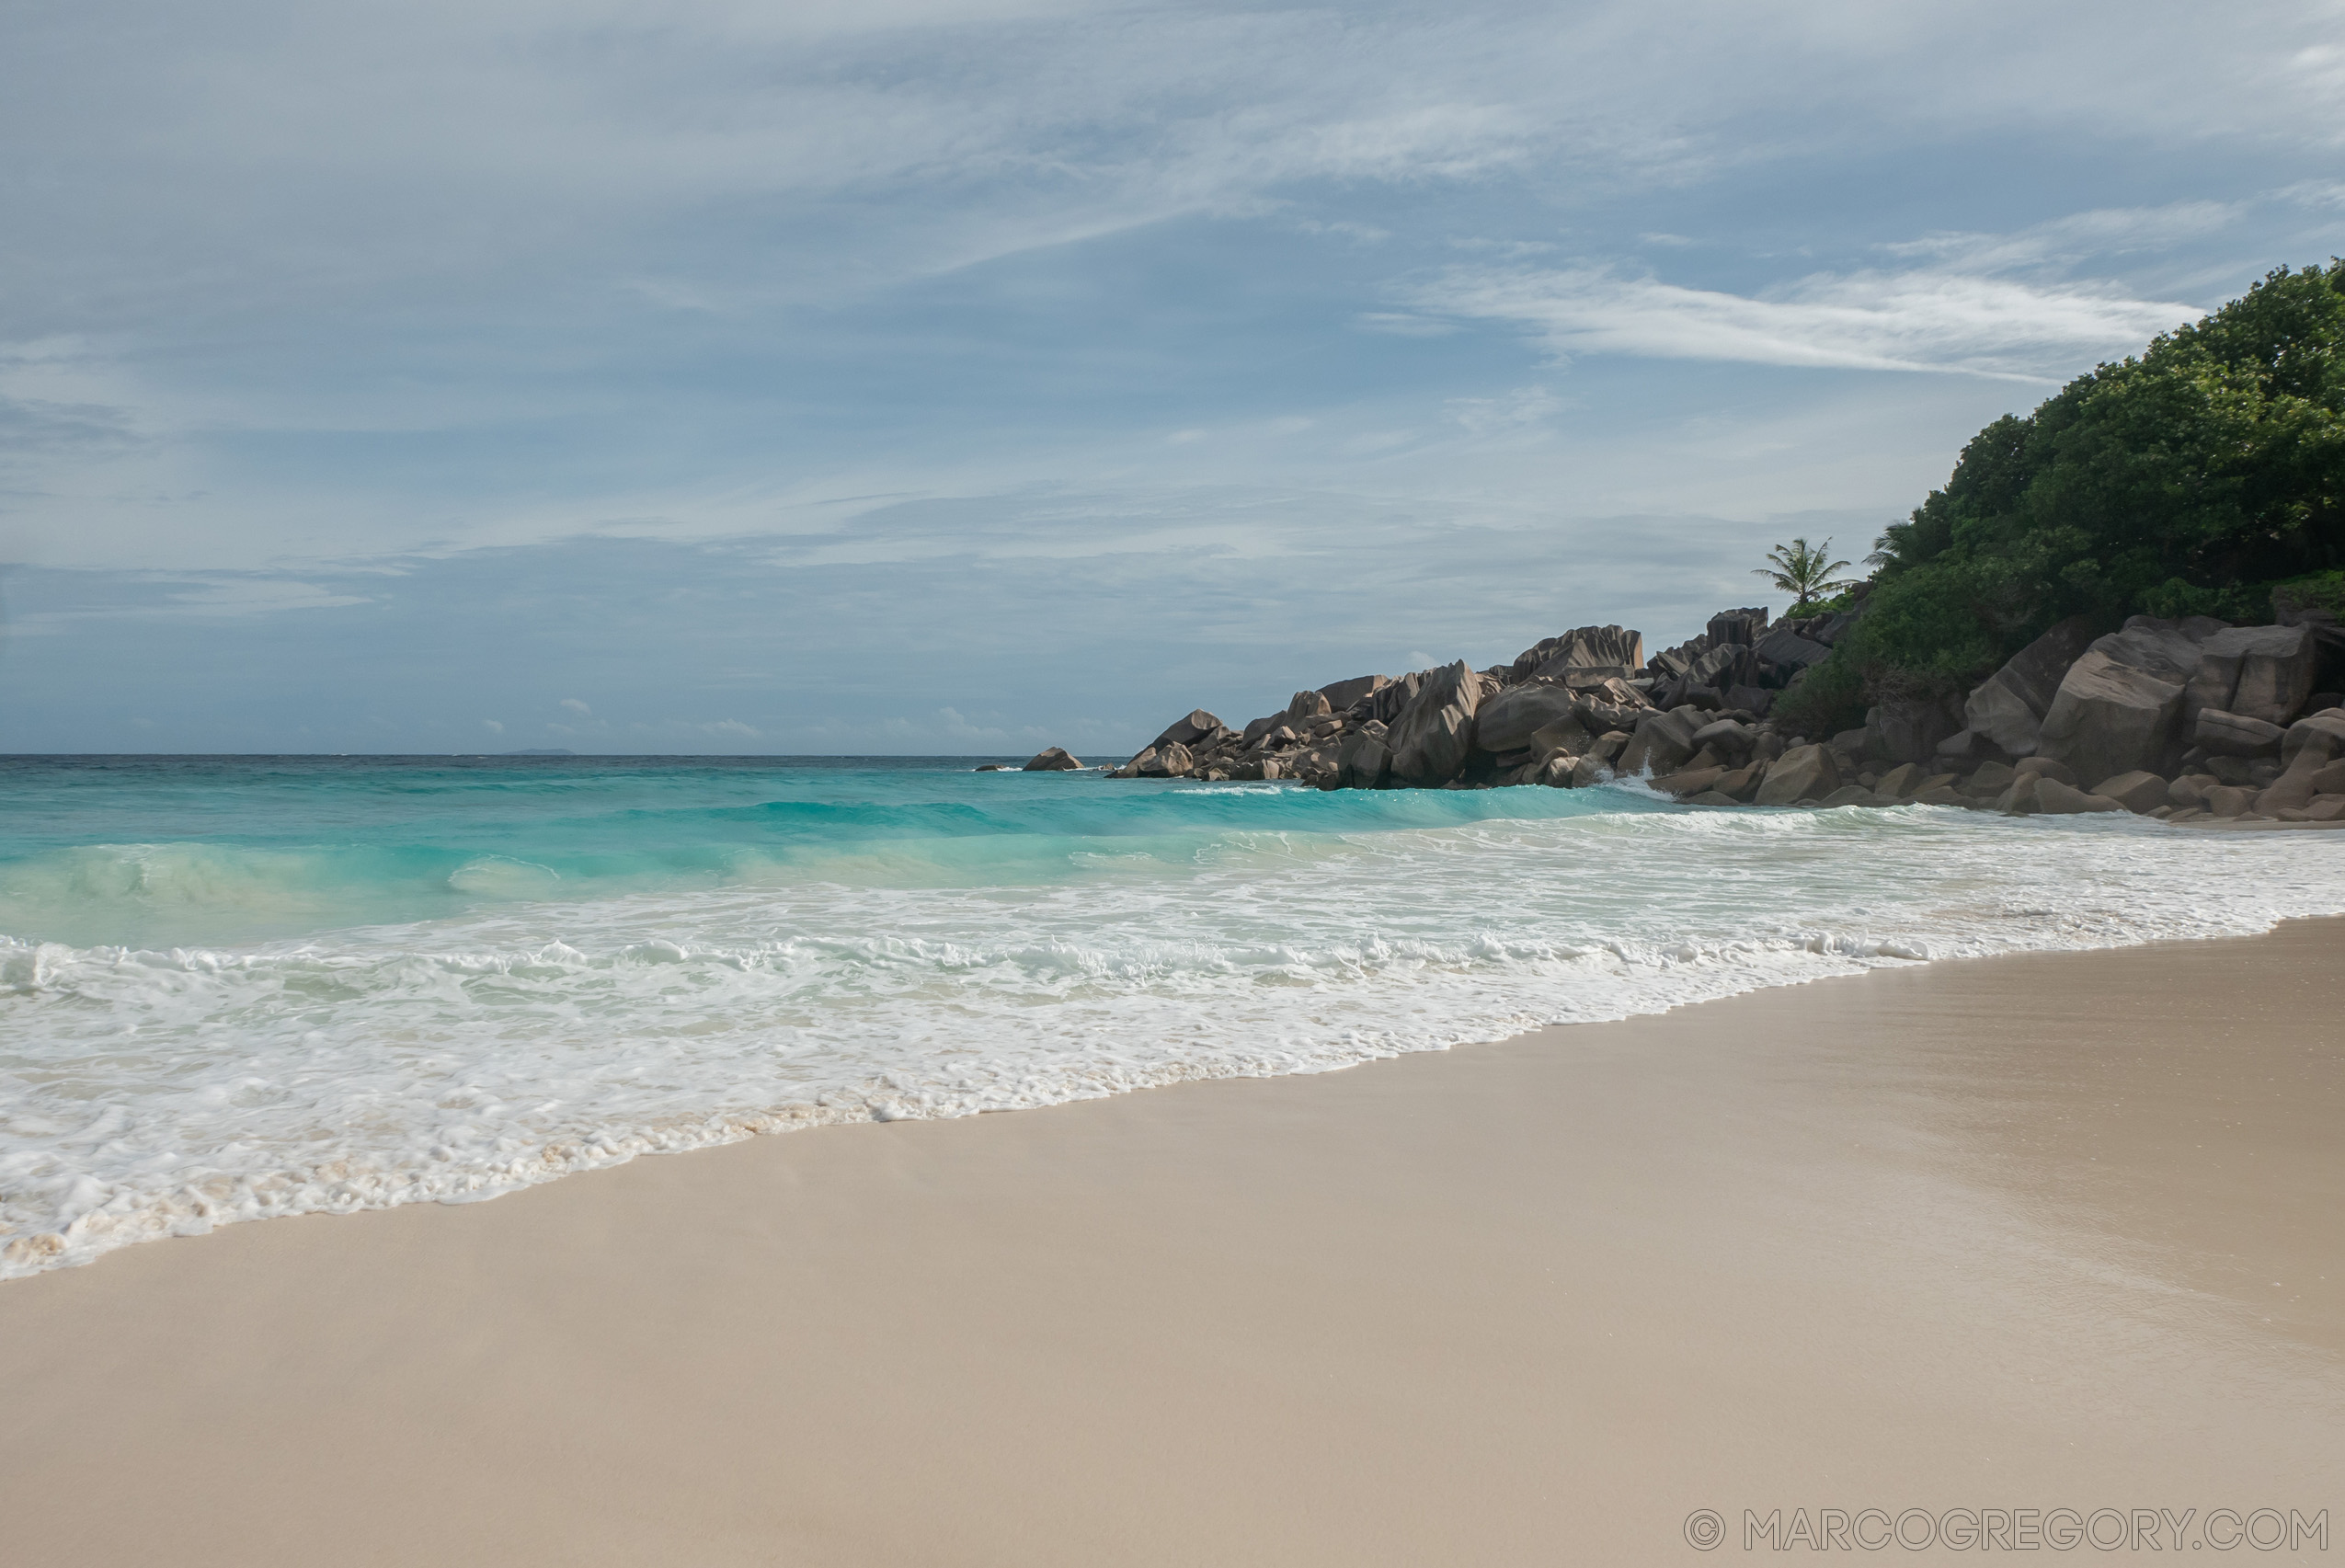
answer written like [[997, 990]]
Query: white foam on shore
[[156, 1093]]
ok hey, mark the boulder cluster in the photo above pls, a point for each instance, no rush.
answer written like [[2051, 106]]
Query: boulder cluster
[[2184, 720]]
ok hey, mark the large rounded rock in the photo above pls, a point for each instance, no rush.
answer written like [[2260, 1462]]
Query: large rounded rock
[[1305, 707], [1169, 761], [1805, 773], [1687, 785], [1342, 694], [1727, 737], [1362, 761], [2266, 670], [1901, 781], [1507, 721], [1430, 738], [1607, 649], [2002, 717], [2138, 791], [1787, 650], [2048, 767], [1190, 730], [2118, 705], [2235, 735], [1990, 780], [1662, 743], [2324, 731], [2009, 706], [2055, 798], [1053, 760], [2307, 747]]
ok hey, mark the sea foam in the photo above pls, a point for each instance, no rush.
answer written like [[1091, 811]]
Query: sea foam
[[649, 963]]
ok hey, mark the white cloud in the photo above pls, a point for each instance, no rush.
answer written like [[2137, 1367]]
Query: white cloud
[[1929, 319], [576, 706], [288, 176], [284, 150], [208, 596], [491, 725], [2097, 237], [733, 727], [1397, 324]]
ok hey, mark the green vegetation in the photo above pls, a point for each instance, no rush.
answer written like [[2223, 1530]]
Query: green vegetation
[[1804, 571], [2194, 479]]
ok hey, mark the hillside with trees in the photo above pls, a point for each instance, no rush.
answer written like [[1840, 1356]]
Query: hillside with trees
[[2193, 479]]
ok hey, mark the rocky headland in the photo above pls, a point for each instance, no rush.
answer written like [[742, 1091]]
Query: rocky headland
[[2129, 600], [2187, 720]]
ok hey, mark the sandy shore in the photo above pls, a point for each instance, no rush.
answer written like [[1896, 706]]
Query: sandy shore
[[2036, 1233]]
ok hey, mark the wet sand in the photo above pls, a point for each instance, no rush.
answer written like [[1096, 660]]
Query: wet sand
[[2020, 1233]]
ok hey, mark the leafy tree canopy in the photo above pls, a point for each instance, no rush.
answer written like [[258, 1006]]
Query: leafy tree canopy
[[2189, 480]]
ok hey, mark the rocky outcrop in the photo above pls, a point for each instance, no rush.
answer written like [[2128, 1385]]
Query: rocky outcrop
[[1432, 736], [2112, 715], [2057, 800], [1613, 651], [1788, 649], [2140, 792], [1053, 760], [2310, 747], [2007, 708], [1342, 694], [2118, 706], [1169, 761], [2274, 669], [1362, 761], [2160, 718], [1305, 707], [2235, 735], [1509, 721], [1188, 731], [1805, 773], [1661, 743]]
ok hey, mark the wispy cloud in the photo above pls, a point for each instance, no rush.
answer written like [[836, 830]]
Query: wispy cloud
[[1925, 319], [1525, 408], [896, 319], [2102, 237]]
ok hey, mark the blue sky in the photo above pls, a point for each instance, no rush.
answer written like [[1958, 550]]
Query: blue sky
[[919, 377]]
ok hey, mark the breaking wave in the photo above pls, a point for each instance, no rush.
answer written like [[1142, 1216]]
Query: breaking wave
[[378, 985]]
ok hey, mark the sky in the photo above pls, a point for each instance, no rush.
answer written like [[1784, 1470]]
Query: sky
[[912, 377]]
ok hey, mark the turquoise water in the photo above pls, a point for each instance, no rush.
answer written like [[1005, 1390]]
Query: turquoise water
[[202, 849], [232, 988]]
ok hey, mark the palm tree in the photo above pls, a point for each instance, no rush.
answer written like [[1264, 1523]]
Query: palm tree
[[1802, 570]]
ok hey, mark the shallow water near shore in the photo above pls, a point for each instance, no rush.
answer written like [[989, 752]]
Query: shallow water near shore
[[232, 988]]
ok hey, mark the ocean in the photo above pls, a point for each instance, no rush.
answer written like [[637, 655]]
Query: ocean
[[235, 988]]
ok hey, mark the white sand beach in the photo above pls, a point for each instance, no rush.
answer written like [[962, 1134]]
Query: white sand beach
[[2027, 1232]]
